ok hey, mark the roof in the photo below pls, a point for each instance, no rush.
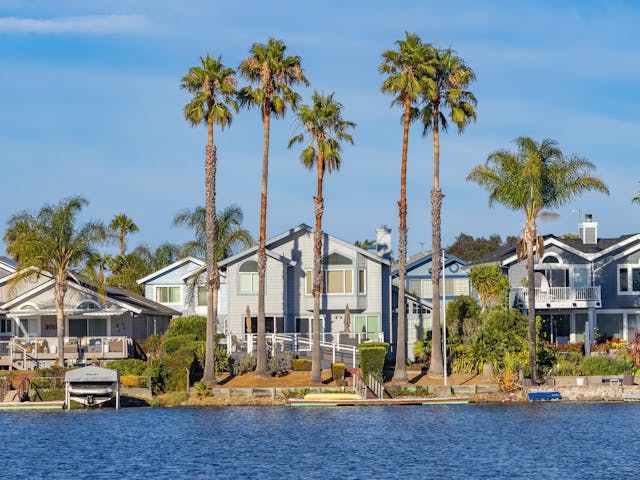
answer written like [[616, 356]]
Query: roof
[[423, 257], [92, 374], [168, 268], [8, 262], [290, 233], [574, 245]]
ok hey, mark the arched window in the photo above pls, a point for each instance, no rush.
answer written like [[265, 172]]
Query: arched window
[[551, 258], [28, 306], [88, 305], [249, 277]]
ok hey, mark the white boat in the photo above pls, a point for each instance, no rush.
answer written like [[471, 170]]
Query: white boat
[[92, 386]]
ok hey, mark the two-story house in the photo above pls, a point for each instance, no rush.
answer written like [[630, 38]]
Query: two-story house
[[583, 286]]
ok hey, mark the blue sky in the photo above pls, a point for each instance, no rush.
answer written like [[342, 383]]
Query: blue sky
[[91, 105]]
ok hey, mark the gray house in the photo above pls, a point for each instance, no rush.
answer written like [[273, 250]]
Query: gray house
[[356, 281], [99, 325], [583, 286], [177, 287]]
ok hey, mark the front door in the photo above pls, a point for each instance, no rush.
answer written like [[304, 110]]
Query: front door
[[77, 327]]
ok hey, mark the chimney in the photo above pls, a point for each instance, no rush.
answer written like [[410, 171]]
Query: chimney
[[383, 241], [588, 230]]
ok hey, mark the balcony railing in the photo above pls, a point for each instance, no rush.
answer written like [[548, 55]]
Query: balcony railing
[[579, 297]]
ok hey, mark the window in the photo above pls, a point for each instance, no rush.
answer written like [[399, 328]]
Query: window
[[5, 325], [88, 305], [28, 306], [168, 294], [202, 296], [628, 279], [249, 277], [362, 282], [335, 282]]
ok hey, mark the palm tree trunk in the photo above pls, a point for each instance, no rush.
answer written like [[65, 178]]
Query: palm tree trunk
[[316, 369], [121, 242], [213, 280], [261, 353], [529, 238], [60, 289], [400, 370], [436, 365]]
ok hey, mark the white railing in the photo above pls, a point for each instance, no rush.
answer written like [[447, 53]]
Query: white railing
[[560, 294], [303, 342]]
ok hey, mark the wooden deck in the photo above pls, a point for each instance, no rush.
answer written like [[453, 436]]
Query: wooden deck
[[301, 402]]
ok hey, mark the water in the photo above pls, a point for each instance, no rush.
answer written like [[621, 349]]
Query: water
[[540, 441]]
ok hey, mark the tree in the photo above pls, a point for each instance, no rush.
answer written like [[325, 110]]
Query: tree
[[364, 243], [444, 90], [273, 73], [121, 226], [52, 241], [406, 67], [490, 283], [470, 249], [537, 176], [230, 236], [213, 89], [322, 123]]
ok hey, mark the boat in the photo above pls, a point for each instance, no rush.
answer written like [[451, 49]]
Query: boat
[[92, 386]]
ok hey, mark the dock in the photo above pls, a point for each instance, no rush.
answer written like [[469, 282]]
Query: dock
[[57, 405], [336, 402]]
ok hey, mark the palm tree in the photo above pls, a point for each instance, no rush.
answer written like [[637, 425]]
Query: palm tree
[[51, 241], [121, 226], [213, 88], [273, 74], [406, 67], [128, 268], [536, 177], [323, 124], [94, 269], [444, 91]]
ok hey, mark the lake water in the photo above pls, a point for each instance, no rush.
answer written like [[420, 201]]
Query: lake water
[[540, 441]]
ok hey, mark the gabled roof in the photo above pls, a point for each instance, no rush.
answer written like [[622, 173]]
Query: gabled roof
[[8, 264], [118, 296], [290, 233], [168, 268], [423, 257], [589, 252]]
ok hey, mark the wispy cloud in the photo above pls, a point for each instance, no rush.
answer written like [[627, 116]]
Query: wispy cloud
[[83, 25]]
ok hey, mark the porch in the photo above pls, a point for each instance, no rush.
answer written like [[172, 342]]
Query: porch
[[558, 297], [41, 352]]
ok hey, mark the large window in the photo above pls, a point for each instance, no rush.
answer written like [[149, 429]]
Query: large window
[[628, 279], [423, 288], [5, 325], [336, 282], [249, 277], [168, 294]]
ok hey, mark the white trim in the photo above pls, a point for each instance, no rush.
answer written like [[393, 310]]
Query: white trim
[[44, 273], [34, 291], [155, 294], [174, 265], [89, 300], [324, 282], [551, 254], [629, 267], [364, 290]]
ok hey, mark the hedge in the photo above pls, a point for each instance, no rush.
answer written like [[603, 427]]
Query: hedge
[[372, 355], [301, 365]]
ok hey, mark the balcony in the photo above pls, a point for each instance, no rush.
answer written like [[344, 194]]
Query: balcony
[[559, 297]]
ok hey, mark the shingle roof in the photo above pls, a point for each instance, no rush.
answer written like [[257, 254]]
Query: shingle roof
[[8, 261]]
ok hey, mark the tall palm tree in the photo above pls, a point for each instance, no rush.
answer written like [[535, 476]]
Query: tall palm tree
[[52, 241], [536, 177], [213, 89], [272, 73], [406, 67], [445, 91], [322, 123], [121, 226]]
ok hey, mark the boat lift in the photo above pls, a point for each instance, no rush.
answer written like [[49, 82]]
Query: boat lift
[[92, 386]]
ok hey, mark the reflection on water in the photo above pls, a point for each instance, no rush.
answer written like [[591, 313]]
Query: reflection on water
[[476, 441]]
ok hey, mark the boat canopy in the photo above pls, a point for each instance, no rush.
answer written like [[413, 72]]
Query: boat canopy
[[92, 374]]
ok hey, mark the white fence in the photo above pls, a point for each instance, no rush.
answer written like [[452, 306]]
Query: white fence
[[553, 295]]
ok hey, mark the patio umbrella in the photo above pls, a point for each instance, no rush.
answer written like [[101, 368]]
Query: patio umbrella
[[347, 319], [248, 319]]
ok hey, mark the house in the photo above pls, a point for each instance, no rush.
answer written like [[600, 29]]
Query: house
[[182, 287], [100, 324], [584, 286], [355, 280]]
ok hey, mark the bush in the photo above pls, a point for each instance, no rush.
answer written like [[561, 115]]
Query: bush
[[170, 373], [191, 325], [173, 344], [202, 388], [602, 365], [244, 364], [372, 355], [301, 365], [131, 366], [338, 371], [280, 364]]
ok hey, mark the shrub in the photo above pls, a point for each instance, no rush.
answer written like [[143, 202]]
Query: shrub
[[301, 365], [202, 388], [372, 355], [294, 393], [244, 364], [280, 364], [170, 373], [191, 325], [602, 365], [338, 371], [131, 366], [174, 343]]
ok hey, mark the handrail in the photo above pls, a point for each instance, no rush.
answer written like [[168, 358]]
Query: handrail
[[4, 388], [22, 393], [376, 387], [359, 385]]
